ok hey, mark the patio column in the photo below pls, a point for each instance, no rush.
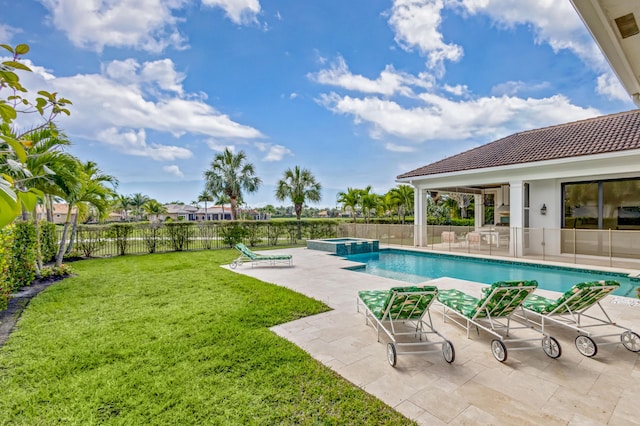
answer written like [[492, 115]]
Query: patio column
[[419, 216], [479, 210], [516, 218]]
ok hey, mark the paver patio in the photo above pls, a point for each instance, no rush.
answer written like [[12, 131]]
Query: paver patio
[[528, 389]]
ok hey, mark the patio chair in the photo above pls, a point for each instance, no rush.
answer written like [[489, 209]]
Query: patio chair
[[403, 312], [569, 310], [246, 255], [500, 302]]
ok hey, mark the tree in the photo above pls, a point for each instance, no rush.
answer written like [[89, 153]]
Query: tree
[[91, 189], [298, 185], [154, 208], [350, 201], [138, 201], [13, 194], [368, 202], [231, 175], [402, 198], [123, 204], [205, 198]]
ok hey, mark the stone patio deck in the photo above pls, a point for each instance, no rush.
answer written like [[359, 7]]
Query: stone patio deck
[[528, 389]]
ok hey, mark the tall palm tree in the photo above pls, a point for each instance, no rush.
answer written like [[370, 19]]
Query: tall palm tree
[[205, 198], [368, 202], [402, 197], [91, 190], [298, 185], [138, 201], [123, 203], [350, 201], [231, 175]]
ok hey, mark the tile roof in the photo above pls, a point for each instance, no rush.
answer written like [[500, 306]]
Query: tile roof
[[609, 133]]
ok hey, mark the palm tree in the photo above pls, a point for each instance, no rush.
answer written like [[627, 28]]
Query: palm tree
[[137, 203], [402, 197], [123, 203], [368, 202], [231, 175], [350, 201], [89, 189], [299, 185], [154, 208], [205, 198]]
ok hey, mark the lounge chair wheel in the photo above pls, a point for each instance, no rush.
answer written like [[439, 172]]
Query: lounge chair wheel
[[392, 356], [630, 340], [586, 346], [233, 264], [448, 352], [499, 350], [551, 347]]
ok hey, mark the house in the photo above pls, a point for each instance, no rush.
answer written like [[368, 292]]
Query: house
[[191, 213], [579, 181], [59, 213]]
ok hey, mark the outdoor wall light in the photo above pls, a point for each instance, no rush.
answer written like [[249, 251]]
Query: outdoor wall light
[[543, 210]]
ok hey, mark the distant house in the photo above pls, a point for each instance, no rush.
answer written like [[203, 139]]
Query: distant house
[[59, 213], [191, 213], [583, 175]]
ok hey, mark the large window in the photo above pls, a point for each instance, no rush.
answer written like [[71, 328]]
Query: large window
[[612, 204]]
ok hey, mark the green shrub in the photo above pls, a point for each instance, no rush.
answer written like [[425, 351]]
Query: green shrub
[[24, 253], [207, 233], [151, 235], [274, 231], [232, 233], [48, 240], [53, 271], [179, 234], [6, 237], [89, 240], [121, 232], [253, 232]]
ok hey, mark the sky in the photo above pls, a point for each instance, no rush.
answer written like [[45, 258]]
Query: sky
[[356, 91]]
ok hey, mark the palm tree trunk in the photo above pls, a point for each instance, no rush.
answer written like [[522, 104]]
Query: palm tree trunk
[[63, 238], [234, 211], [49, 207], [74, 231]]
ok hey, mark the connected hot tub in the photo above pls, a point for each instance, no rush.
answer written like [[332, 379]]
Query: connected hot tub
[[344, 246]]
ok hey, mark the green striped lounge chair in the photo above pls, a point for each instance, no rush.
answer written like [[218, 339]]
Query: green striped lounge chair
[[498, 312], [402, 313], [569, 309], [248, 256]]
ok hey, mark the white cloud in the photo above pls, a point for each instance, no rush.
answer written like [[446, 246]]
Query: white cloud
[[293, 95], [6, 33], [390, 82], [139, 24], [134, 143], [458, 89], [610, 86], [173, 170], [439, 118], [416, 24], [239, 11], [274, 152], [512, 88], [553, 22], [399, 148], [100, 101], [129, 99]]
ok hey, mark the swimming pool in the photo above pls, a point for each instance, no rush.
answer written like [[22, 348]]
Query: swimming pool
[[417, 267]]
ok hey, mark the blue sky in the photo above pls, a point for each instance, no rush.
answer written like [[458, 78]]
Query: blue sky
[[357, 91]]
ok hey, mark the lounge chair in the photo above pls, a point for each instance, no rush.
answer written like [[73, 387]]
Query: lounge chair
[[246, 255], [569, 310], [501, 301], [402, 312]]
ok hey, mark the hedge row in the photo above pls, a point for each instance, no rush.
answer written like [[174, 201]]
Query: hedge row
[[22, 247]]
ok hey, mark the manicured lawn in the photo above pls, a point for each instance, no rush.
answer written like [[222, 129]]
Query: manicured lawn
[[170, 339]]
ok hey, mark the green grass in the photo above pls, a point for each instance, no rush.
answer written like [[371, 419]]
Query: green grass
[[170, 339]]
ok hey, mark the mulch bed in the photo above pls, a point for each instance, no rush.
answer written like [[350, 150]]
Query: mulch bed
[[18, 302]]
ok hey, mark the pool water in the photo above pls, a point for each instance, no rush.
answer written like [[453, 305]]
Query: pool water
[[418, 267]]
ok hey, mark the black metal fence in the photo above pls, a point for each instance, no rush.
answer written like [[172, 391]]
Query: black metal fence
[[140, 238]]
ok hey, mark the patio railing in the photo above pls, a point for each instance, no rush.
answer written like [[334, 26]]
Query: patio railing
[[612, 248]]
